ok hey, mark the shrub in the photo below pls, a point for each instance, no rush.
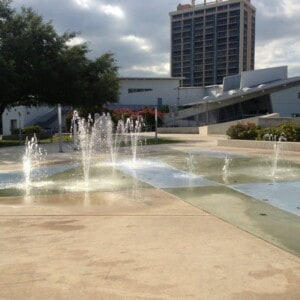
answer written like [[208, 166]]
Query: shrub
[[291, 131], [242, 131], [29, 131], [147, 113], [38, 130], [250, 131]]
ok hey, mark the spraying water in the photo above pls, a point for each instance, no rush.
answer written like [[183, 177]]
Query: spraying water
[[226, 169], [276, 153], [133, 129], [33, 154], [116, 141], [86, 142], [99, 135]]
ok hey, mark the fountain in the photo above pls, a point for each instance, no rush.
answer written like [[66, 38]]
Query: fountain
[[133, 128], [86, 145], [276, 153], [276, 150], [233, 186], [33, 154], [226, 169], [189, 162], [95, 135], [116, 141]]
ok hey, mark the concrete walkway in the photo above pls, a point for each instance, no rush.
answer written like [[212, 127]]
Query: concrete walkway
[[134, 244]]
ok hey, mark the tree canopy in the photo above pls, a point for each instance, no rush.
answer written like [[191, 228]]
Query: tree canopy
[[39, 66]]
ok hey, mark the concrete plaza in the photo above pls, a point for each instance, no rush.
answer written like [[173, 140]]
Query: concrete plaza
[[113, 245]]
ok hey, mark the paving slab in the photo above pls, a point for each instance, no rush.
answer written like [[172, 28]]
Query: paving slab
[[115, 246], [133, 244]]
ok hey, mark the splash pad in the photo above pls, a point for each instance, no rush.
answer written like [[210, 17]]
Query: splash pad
[[256, 194]]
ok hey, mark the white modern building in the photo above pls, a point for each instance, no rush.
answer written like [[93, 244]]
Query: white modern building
[[138, 92], [135, 93], [19, 117], [251, 93]]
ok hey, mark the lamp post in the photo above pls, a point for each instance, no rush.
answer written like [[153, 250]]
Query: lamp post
[[156, 123], [178, 97], [59, 128], [20, 130], [206, 109]]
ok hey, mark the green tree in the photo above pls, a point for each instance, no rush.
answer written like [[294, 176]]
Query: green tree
[[37, 66]]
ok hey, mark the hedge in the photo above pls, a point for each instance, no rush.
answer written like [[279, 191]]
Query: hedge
[[251, 131]]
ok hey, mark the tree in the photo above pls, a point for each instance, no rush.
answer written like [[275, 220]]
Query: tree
[[37, 66]]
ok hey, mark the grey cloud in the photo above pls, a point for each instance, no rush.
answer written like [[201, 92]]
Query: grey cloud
[[148, 20]]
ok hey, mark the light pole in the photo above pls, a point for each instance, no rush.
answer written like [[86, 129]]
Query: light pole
[[206, 109], [59, 128], [156, 123], [20, 130], [178, 97]]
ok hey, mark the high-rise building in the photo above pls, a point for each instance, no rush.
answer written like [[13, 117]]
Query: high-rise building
[[212, 40]]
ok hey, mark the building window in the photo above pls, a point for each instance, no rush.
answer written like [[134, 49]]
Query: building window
[[138, 90], [210, 10], [234, 5], [223, 7], [299, 95], [199, 12], [13, 124]]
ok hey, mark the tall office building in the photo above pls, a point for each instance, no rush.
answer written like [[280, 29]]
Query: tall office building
[[212, 40]]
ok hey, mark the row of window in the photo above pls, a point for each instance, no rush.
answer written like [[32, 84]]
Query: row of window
[[232, 49], [209, 12], [138, 90], [205, 80], [209, 18], [200, 25], [233, 24], [209, 65]]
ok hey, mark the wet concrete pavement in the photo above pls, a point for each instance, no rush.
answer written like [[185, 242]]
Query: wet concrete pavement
[[133, 244]]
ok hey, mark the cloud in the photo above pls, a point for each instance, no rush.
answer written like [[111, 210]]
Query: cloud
[[161, 69], [94, 5], [75, 41], [138, 32], [85, 4], [291, 8], [135, 41], [279, 52], [115, 11], [282, 8], [277, 27]]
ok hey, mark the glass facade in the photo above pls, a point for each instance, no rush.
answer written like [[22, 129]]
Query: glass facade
[[206, 42]]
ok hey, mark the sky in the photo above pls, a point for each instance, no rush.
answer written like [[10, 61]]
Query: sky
[[138, 31]]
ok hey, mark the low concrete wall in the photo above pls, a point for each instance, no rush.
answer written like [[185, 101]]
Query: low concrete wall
[[288, 146], [221, 128], [273, 122], [179, 130], [264, 121]]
